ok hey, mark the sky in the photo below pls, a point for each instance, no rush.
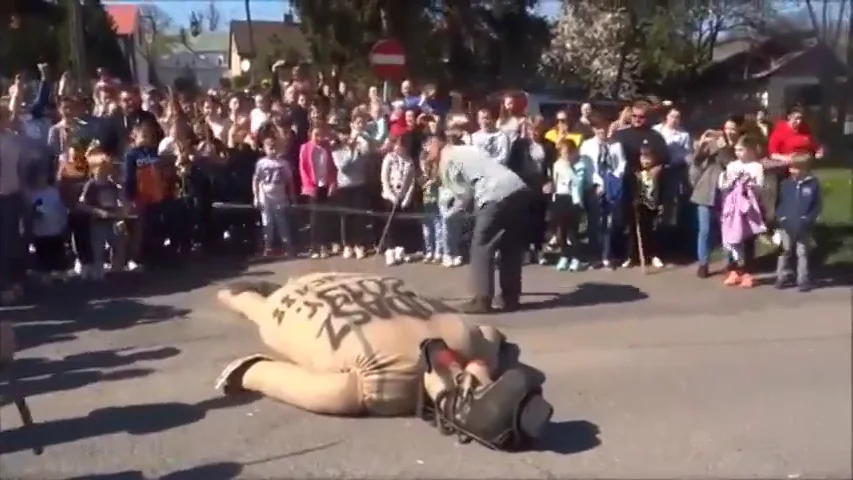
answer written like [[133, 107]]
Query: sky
[[180, 10]]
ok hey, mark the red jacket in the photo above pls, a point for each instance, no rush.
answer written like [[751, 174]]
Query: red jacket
[[398, 127], [785, 140], [306, 169]]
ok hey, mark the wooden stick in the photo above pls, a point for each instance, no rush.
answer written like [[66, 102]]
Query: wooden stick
[[639, 234]]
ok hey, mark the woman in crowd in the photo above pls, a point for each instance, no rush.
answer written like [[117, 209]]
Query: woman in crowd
[[511, 116], [536, 172]]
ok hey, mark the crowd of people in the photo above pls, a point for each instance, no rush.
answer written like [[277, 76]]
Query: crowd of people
[[127, 178]]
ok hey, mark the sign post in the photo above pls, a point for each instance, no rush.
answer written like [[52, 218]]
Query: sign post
[[388, 60]]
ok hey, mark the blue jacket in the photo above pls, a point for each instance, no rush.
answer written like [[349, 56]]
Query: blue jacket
[[799, 205]]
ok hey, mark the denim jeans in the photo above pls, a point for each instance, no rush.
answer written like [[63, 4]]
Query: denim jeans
[[107, 233], [602, 220], [706, 218], [433, 230], [452, 225], [275, 224]]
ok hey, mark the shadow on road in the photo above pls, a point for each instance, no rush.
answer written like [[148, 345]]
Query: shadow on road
[[218, 471], [36, 376], [132, 419], [585, 295], [50, 323], [568, 437]]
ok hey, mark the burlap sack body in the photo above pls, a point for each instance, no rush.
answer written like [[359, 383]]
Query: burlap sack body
[[350, 342]]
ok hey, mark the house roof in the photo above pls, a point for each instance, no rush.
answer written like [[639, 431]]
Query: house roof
[[264, 31], [124, 16], [205, 42]]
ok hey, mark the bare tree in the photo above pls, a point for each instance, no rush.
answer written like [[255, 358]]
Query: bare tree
[[156, 42]]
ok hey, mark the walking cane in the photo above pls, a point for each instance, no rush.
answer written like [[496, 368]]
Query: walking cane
[[639, 235], [387, 227]]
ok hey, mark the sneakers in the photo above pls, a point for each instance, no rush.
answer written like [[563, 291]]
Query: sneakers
[[732, 279], [451, 262], [348, 252], [390, 257], [428, 257], [657, 262], [735, 279], [562, 264], [359, 252]]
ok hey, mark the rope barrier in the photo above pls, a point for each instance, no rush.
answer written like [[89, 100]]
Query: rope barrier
[[331, 209]]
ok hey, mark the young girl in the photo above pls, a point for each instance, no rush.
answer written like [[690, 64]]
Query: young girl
[[646, 210], [743, 176], [50, 219], [104, 201], [397, 174], [432, 225], [319, 177], [568, 177]]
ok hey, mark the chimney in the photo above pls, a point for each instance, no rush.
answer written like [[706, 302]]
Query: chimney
[[288, 19]]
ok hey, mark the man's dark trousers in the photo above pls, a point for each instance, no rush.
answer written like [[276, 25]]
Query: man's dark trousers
[[500, 227]]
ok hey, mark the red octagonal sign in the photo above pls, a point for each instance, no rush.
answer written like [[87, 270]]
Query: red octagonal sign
[[388, 59]]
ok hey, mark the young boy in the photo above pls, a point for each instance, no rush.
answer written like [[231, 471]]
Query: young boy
[[146, 184], [798, 209], [105, 202], [274, 191]]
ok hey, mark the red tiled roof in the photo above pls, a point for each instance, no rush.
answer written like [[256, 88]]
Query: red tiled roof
[[125, 17]]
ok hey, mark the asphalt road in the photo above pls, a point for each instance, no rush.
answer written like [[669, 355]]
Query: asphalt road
[[661, 376]]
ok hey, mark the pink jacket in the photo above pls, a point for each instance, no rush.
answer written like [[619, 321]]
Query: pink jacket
[[741, 217], [306, 169]]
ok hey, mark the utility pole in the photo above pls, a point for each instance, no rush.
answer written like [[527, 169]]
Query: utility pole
[[76, 43]]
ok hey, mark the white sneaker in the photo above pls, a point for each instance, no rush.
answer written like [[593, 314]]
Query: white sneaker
[[359, 252], [626, 263], [399, 254], [390, 257], [131, 266], [456, 262], [447, 261], [78, 267], [657, 263], [348, 253], [427, 257], [315, 255], [605, 264]]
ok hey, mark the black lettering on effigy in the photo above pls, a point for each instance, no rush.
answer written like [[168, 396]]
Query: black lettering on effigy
[[358, 303]]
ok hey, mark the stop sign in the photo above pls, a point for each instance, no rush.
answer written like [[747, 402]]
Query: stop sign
[[388, 59]]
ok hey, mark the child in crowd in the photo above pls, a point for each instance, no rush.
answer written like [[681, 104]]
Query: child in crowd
[[646, 210], [319, 179], [569, 177], [397, 174], [72, 175], [49, 222], [432, 224], [452, 218], [147, 184], [104, 201], [274, 192], [741, 218], [798, 210]]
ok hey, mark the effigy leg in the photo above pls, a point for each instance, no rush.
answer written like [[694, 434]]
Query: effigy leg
[[319, 392]]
